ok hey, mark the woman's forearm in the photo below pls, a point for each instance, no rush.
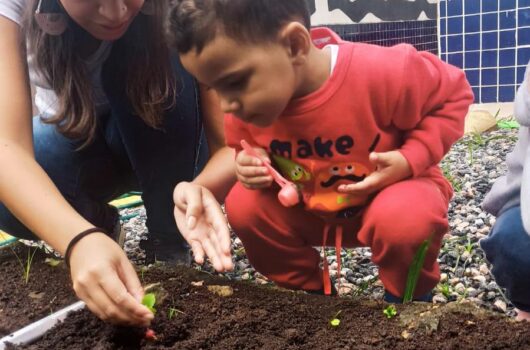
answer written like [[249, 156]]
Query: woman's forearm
[[25, 189]]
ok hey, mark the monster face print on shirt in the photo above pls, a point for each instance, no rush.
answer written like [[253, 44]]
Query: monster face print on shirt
[[319, 170]]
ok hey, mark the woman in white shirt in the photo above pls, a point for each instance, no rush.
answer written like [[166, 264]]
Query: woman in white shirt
[[116, 112]]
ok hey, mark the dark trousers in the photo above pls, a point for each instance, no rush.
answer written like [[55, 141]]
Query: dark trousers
[[507, 248], [126, 155]]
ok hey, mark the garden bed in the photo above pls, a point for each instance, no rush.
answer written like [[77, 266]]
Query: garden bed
[[195, 316], [47, 290]]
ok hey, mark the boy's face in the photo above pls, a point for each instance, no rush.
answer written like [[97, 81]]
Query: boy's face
[[255, 82]]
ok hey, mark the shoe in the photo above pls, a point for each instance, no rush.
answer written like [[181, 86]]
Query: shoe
[[162, 249], [391, 299], [522, 315]]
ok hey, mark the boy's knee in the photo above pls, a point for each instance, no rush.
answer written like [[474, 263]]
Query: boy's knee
[[399, 225], [242, 208]]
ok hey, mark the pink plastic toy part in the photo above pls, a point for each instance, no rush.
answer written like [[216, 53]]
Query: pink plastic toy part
[[288, 195]]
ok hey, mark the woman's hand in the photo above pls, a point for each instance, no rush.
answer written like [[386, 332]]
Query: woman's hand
[[391, 167], [106, 281], [250, 170], [202, 223]]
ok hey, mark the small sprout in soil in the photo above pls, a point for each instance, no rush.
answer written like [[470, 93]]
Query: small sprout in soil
[[172, 311], [415, 269], [149, 301], [52, 262], [143, 270], [390, 311], [26, 265], [335, 321], [445, 289]]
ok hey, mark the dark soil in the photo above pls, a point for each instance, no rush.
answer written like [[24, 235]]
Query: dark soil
[[48, 289], [254, 317]]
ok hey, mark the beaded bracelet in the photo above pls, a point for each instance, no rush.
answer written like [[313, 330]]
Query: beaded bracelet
[[77, 238]]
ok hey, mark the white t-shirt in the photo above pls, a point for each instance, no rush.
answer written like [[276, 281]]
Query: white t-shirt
[[45, 98]]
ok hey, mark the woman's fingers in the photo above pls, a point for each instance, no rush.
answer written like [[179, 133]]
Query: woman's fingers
[[121, 306]]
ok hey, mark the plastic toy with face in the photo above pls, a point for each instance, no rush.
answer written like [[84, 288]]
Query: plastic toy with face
[[291, 170]]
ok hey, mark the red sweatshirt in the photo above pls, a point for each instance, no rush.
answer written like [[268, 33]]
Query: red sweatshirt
[[377, 99]]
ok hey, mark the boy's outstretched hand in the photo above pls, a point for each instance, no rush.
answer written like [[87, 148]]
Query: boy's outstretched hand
[[250, 170], [390, 167], [202, 223]]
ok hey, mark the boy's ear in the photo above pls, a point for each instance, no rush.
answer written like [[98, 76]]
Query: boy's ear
[[297, 40]]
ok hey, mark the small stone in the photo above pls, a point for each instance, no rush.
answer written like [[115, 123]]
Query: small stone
[[346, 288], [439, 299], [443, 277], [481, 279], [500, 305], [454, 281], [223, 291], [484, 269], [479, 222], [460, 288], [405, 334]]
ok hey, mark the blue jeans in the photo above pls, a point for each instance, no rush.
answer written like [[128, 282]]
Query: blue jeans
[[125, 155], [507, 248]]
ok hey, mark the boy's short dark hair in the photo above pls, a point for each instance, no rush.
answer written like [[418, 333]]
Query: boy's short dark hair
[[194, 23]]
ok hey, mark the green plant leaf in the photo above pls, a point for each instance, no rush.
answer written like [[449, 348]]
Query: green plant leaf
[[334, 322], [390, 311], [415, 268], [149, 300], [508, 124], [52, 262]]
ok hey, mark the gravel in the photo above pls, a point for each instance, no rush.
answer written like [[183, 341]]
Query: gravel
[[472, 166]]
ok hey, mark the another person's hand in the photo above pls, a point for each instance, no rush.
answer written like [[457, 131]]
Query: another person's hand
[[250, 170], [106, 281], [391, 167], [202, 223]]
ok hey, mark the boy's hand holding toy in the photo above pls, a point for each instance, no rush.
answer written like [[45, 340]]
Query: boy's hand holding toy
[[251, 171], [390, 167]]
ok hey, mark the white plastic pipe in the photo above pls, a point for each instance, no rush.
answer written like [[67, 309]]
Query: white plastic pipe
[[37, 329]]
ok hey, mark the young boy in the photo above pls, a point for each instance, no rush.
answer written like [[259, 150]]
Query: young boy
[[508, 245], [358, 128]]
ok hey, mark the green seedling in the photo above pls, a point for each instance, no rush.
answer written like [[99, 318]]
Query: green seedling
[[457, 185], [508, 123], [390, 311], [469, 246], [476, 141], [172, 311], [53, 262], [363, 287], [149, 300], [335, 321], [143, 270], [26, 265], [415, 268], [445, 289]]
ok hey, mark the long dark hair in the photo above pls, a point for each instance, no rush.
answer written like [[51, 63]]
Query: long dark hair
[[144, 52]]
